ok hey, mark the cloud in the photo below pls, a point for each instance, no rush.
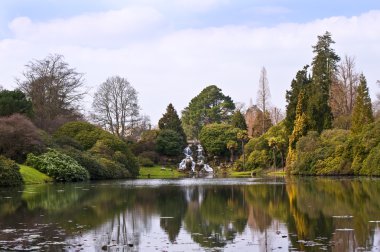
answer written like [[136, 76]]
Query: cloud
[[175, 65], [200, 5], [270, 10], [93, 29]]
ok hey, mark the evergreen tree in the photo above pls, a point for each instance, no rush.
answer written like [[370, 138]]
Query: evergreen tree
[[12, 102], [171, 121], [210, 106], [301, 82], [299, 130], [169, 143], [362, 113], [238, 120], [324, 68]]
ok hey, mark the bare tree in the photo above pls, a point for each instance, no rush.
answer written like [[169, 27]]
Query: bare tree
[[276, 115], [263, 96], [378, 94], [54, 89], [116, 106], [140, 125], [377, 103], [343, 92], [348, 80]]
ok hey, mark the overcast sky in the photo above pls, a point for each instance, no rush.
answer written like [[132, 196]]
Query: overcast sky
[[170, 50]]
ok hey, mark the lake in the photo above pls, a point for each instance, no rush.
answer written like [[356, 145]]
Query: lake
[[194, 214]]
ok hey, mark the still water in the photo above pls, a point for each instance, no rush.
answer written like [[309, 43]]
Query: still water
[[249, 214]]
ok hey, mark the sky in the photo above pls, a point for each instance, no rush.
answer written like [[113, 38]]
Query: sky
[[169, 50]]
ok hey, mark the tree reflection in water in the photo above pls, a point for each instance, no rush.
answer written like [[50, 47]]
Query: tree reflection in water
[[301, 213]]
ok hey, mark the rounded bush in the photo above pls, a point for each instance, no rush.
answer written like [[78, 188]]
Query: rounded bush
[[146, 162], [9, 173], [59, 166], [113, 169]]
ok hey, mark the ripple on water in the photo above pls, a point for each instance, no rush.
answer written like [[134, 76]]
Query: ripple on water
[[197, 182]]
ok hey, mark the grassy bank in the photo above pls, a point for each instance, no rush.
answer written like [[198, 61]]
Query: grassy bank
[[160, 172], [32, 176], [268, 172]]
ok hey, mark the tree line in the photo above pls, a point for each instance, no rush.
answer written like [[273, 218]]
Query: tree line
[[328, 105]]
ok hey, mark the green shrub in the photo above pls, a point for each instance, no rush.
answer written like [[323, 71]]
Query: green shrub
[[152, 155], [113, 169], [169, 143], [147, 142], [59, 166], [9, 173], [128, 160], [214, 138], [101, 148], [258, 159], [84, 133], [90, 163], [145, 162], [307, 154], [365, 142], [371, 165], [100, 144], [66, 141]]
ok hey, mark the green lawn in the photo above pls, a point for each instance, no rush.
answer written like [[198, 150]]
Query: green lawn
[[271, 172], [32, 176], [160, 172], [236, 174], [277, 173]]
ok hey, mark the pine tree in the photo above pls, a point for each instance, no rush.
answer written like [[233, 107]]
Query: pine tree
[[171, 121], [362, 113], [324, 68], [238, 120]]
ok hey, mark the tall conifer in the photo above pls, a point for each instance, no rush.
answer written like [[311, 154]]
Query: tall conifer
[[171, 121], [324, 68], [362, 113], [299, 130]]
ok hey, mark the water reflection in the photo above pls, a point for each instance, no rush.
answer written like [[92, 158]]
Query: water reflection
[[306, 214]]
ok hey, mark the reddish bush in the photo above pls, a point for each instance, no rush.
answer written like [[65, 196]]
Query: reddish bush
[[18, 137]]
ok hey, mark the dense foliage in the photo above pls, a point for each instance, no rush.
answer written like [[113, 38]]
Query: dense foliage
[[169, 143], [58, 166], [238, 120], [362, 112], [299, 84], [171, 121], [309, 141], [9, 173], [14, 102], [145, 148], [324, 66], [339, 152], [98, 145], [217, 137], [265, 151], [18, 137], [210, 106], [313, 148]]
